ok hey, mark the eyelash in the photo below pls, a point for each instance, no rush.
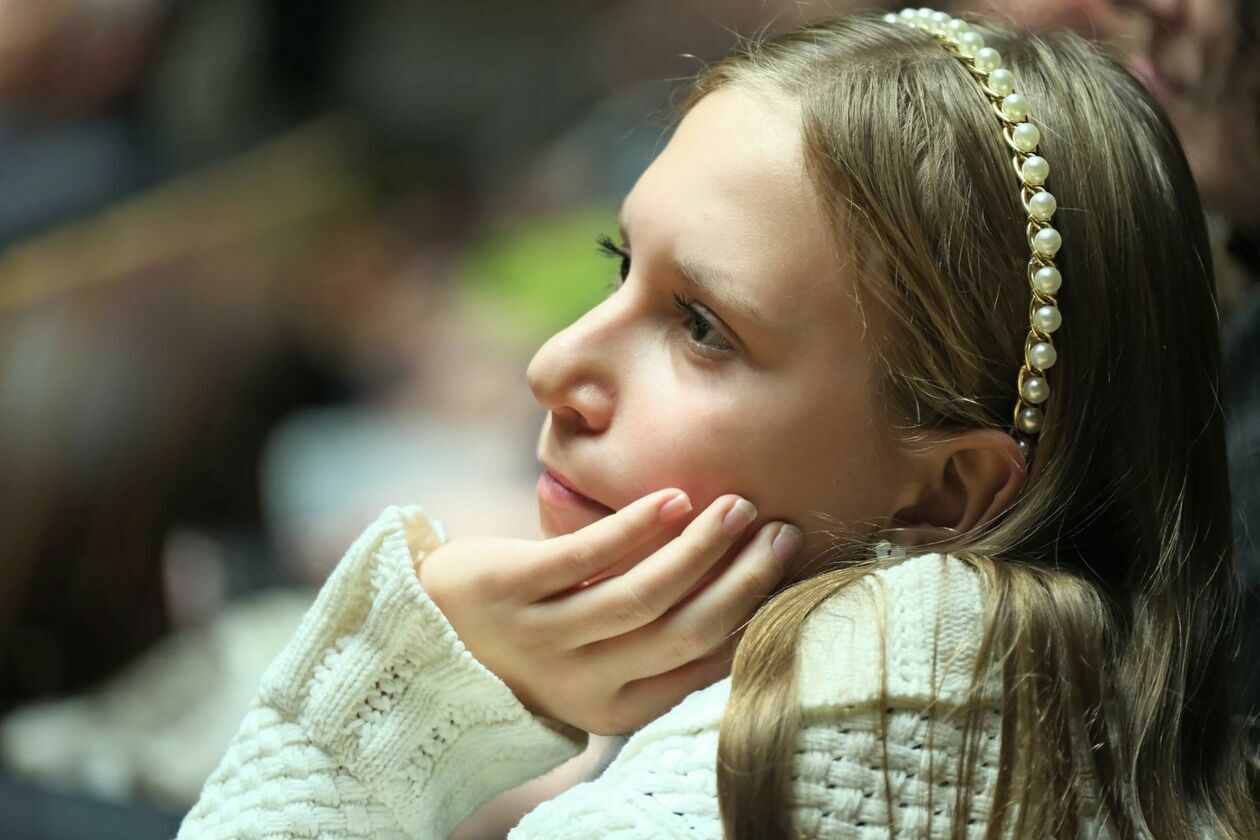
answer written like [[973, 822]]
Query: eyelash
[[611, 249]]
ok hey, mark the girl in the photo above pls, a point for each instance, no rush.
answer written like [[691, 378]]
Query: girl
[[838, 298]]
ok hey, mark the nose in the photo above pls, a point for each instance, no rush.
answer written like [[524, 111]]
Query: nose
[[573, 374]]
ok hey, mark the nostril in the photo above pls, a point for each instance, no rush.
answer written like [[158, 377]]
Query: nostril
[[567, 417], [570, 420]]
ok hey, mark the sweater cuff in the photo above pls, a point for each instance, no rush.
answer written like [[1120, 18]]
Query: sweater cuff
[[379, 679]]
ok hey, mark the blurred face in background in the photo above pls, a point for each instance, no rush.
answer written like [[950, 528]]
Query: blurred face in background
[[756, 382], [1196, 58]]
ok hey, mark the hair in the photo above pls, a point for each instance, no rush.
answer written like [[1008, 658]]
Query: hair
[[1109, 585]]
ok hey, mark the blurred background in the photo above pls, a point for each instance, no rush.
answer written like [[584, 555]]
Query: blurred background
[[268, 266]]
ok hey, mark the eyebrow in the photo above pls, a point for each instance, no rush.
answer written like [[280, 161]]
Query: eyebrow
[[712, 283]]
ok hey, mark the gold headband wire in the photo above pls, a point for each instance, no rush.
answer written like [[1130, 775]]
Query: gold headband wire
[[1011, 108]]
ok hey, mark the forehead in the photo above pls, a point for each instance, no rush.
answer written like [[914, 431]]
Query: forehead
[[730, 190]]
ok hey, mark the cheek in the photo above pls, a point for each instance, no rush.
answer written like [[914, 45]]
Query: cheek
[[791, 461], [818, 461], [699, 446], [671, 442], [789, 456]]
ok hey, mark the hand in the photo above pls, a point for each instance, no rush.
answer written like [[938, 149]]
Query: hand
[[612, 654]]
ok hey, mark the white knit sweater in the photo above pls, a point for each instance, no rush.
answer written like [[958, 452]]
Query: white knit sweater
[[376, 722]]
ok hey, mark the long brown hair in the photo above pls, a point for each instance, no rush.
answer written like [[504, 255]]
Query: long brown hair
[[1110, 590]]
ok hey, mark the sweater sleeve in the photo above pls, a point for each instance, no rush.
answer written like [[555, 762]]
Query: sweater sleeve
[[375, 720]]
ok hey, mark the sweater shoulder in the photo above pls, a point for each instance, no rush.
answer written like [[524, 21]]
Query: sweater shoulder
[[908, 632]]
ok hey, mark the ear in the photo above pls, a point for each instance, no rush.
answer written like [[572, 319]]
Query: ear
[[963, 482]]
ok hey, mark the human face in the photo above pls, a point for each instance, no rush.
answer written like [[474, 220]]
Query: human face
[[1187, 54], [1190, 60], [763, 388]]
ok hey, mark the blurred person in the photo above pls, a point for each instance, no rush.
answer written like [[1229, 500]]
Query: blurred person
[[68, 143], [1199, 58], [970, 588], [73, 55]]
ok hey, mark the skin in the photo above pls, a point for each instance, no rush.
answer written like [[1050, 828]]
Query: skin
[[1189, 59], [729, 191]]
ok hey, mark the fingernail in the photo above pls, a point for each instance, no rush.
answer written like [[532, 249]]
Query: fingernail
[[675, 507], [787, 542], [739, 517]]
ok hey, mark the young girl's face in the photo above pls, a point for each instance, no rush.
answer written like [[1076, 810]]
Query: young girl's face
[[732, 359]]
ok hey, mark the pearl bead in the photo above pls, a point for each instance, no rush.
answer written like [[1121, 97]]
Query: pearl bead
[[957, 26], [924, 14], [908, 14], [969, 43], [1025, 136], [1047, 279], [987, 59], [1035, 389], [1002, 81], [1030, 420], [1042, 355], [890, 18], [1035, 170], [1025, 448], [939, 20], [1042, 206], [1015, 107], [1047, 318], [1047, 242]]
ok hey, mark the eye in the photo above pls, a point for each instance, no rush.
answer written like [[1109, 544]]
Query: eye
[[701, 332], [611, 249]]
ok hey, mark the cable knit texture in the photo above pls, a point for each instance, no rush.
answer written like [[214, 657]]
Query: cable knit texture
[[376, 721]]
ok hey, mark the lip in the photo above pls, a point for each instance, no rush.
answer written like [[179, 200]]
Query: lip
[[556, 488]]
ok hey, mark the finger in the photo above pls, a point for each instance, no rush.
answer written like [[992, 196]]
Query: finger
[[645, 592], [644, 700], [699, 624], [573, 558]]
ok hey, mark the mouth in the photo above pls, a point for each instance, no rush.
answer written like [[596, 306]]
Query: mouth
[[555, 488]]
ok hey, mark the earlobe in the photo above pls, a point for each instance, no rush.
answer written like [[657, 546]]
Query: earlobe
[[971, 478]]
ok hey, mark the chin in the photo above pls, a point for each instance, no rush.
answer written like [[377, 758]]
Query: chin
[[556, 521], [548, 530]]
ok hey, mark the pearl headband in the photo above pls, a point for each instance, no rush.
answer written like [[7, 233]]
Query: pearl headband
[[998, 83]]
